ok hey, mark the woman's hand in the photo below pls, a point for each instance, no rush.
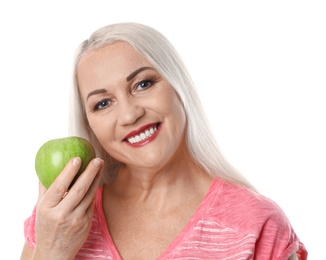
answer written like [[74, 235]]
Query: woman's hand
[[64, 217]]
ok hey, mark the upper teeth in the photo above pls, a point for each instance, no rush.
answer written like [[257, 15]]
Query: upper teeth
[[142, 136]]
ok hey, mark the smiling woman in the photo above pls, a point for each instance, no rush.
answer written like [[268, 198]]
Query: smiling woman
[[162, 189]]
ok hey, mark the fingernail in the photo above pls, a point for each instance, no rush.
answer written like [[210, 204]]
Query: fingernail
[[97, 162], [76, 161]]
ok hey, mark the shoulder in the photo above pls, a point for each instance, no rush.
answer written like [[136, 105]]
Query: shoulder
[[254, 223], [244, 209]]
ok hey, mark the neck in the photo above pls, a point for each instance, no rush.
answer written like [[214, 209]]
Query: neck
[[141, 185]]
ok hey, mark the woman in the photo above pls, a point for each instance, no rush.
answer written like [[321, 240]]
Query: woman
[[166, 190]]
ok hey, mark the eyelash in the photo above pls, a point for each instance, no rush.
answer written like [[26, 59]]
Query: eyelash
[[148, 82], [100, 103]]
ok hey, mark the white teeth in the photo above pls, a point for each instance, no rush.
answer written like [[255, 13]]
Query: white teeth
[[142, 136]]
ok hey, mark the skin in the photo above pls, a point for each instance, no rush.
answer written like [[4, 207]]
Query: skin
[[65, 215], [159, 186]]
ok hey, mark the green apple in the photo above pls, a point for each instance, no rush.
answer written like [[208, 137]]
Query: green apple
[[53, 156]]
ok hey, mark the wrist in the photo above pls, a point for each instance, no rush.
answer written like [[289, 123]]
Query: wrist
[[40, 254]]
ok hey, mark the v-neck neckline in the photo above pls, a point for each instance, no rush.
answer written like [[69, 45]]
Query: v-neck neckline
[[185, 232]]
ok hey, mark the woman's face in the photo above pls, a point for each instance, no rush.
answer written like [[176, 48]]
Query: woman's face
[[133, 111]]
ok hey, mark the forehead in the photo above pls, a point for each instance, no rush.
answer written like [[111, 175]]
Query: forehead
[[108, 66], [115, 54]]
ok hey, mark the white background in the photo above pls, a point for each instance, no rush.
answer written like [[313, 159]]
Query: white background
[[260, 68]]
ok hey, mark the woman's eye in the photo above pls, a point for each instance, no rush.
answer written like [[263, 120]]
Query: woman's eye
[[102, 104], [144, 84]]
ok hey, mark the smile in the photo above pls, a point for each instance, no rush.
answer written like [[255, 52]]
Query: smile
[[142, 136]]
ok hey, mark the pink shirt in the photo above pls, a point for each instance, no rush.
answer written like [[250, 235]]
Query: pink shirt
[[231, 223]]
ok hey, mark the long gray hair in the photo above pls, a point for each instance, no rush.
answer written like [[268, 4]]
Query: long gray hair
[[162, 55]]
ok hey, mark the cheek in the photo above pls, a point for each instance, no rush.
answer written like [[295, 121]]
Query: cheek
[[175, 111], [180, 115], [169, 103], [178, 110], [180, 120], [99, 127], [167, 100]]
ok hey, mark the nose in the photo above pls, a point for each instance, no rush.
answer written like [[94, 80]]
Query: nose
[[129, 111]]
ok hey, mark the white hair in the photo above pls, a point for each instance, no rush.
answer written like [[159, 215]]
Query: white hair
[[162, 55]]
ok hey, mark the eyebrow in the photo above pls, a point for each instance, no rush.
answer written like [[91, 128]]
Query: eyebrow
[[97, 91], [134, 74], [128, 78]]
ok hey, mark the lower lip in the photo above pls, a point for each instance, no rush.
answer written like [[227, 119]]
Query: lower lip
[[147, 140]]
